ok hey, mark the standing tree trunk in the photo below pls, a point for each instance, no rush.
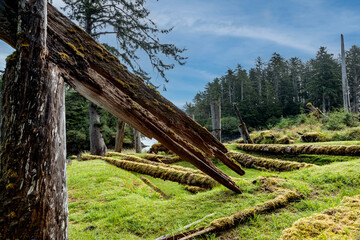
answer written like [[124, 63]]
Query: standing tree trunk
[[345, 86], [120, 136], [137, 140], [33, 172], [216, 119], [97, 144]]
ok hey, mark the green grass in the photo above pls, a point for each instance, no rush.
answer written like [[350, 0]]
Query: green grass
[[106, 202]]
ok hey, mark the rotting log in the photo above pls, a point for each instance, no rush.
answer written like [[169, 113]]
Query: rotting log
[[266, 164], [33, 190], [284, 198], [340, 150], [142, 160], [161, 158], [155, 188], [99, 76], [242, 127], [315, 111], [164, 172]]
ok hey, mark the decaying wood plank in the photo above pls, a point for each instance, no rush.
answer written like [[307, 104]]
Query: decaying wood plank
[[100, 77]]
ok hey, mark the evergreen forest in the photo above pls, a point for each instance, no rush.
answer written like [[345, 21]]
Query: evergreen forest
[[277, 88]]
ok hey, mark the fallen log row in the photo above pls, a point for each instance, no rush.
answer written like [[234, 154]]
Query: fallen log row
[[284, 198], [155, 188], [353, 150], [266, 164], [162, 159], [159, 171], [99, 76], [142, 160], [341, 222]]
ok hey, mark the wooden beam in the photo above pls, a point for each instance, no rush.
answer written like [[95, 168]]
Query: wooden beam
[[99, 76]]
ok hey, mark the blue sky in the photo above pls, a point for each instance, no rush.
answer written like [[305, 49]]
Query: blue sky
[[221, 34]]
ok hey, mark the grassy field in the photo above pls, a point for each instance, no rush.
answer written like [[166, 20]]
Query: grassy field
[[106, 202]]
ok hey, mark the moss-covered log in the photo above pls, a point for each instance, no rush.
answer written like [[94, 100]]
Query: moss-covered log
[[142, 160], [99, 76], [284, 198], [155, 188], [341, 222], [162, 171], [353, 150], [162, 159], [261, 163]]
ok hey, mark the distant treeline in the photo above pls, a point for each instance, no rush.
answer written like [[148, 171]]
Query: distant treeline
[[278, 88]]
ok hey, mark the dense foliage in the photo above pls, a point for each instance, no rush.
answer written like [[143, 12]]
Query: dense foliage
[[277, 88]]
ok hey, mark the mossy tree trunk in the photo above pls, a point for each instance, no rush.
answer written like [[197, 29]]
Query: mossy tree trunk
[[33, 192], [97, 143], [100, 77]]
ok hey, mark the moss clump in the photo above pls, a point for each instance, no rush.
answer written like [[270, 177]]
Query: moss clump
[[75, 50], [71, 30], [158, 147], [64, 56], [162, 159], [284, 140], [10, 186], [313, 137], [73, 157], [342, 222], [260, 163], [194, 189], [11, 57]]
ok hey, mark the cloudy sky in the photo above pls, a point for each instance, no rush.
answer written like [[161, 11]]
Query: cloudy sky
[[221, 34]]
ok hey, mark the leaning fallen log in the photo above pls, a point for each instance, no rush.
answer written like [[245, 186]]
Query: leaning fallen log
[[284, 198], [99, 76], [353, 150], [161, 171], [262, 163]]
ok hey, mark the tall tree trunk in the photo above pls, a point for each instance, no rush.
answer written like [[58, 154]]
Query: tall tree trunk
[[137, 140], [33, 172], [242, 90], [216, 119], [120, 136], [323, 103], [97, 144], [345, 85], [356, 94]]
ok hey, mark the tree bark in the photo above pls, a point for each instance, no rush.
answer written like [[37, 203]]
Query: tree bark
[[345, 87], [216, 119], [33, 173], [137, 140], [99, 76], [97, 144], [120, 136]]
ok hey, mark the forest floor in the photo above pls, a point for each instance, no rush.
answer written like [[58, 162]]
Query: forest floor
[[106, 202]]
